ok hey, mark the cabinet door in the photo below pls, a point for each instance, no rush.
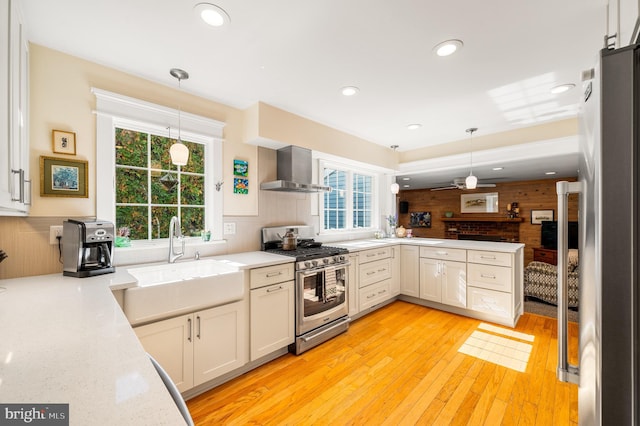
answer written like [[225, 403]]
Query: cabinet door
[[353, 293], [394, 288], [219, 341], [410, 270], [454, 283], [272, 318], [170, 342], [430, 279]]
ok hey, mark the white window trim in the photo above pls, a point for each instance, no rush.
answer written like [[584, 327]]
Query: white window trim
[[113, 109], [351, 170]]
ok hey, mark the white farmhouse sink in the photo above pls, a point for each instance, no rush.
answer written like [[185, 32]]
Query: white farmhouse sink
[[176, 288]]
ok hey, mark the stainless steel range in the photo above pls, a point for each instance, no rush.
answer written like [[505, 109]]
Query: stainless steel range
[[320, 287]]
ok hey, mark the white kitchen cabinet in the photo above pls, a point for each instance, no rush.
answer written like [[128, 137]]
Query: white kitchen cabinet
[[444, 281], [394, 287], [410, 270], [353, 289], [15, 184], [272, 318], [198, 347], [375, 276]]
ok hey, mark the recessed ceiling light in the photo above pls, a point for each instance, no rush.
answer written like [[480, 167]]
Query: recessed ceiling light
[[349, 90], [497, 168], [549, 173], [406, 178], [414, 126], [562, 88], [447, 47], [212, 15]]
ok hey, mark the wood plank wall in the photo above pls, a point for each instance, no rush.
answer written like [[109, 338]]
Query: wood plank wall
[[530, 195]]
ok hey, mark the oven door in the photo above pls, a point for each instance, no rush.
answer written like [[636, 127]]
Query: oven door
[[321, 297]]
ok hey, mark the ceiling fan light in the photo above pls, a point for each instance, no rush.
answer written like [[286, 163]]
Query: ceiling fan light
[[395, 188], [179, 154], [471, 182]]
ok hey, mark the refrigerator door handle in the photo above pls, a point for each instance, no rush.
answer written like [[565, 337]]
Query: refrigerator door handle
[[565, 372]]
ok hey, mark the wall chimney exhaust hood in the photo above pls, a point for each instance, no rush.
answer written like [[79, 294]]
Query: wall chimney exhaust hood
[[294, 172]]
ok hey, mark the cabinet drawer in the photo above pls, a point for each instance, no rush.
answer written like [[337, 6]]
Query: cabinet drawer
[[489, 276], [489, 257], [374, 294], [374, 254], [374, 271], [268, 275], [489, 301], [444, 253]]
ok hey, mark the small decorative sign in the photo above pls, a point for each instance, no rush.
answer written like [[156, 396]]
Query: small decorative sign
[[60, 177], [538, 216], [64, 142]]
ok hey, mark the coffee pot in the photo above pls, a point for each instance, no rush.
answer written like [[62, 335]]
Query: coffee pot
[[87, 248]]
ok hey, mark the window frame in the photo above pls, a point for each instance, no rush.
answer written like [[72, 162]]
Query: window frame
[[350, 171], [114, 110]]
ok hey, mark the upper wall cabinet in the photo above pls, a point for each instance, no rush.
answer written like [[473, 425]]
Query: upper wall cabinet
[[15, 184]]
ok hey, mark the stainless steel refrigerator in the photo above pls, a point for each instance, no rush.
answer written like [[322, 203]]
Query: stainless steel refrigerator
[[608, 187]]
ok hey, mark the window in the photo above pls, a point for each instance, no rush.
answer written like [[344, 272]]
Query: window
[[350, 203], [137, 185], [150, 189]]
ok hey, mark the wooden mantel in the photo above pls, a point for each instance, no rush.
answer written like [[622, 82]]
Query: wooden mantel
[[482, 219]]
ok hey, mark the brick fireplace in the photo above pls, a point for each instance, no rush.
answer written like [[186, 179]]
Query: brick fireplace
[[468, 229]]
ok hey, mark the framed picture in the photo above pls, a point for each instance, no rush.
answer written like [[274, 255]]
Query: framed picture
[[420, 219], [64, 142], [479, 203], [60, 177], [240, 168], [537, 216], [240, 186]]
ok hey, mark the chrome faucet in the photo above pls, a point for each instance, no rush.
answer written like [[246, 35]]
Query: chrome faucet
[[175, 231]]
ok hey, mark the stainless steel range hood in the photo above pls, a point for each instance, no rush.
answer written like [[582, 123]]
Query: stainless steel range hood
[[294, 172]]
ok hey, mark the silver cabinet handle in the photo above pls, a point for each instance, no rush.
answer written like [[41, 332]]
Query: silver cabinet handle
[[274, 274], [382, 291], [371, 255], [371, 273], [493, 277], [20, 174], [198, 321], [487, 257], [269, 290], [28, 203], [189, 325], [382, 270], [370, 296]]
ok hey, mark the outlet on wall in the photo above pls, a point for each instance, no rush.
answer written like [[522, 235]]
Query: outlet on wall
[[229, 228], [54, 231]]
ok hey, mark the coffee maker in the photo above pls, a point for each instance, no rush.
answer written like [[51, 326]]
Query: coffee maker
[[87, 247]]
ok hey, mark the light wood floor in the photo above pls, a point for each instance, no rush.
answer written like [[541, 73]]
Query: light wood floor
[[400, 366]]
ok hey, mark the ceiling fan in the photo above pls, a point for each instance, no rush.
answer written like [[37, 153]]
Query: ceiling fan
[[459, 183]]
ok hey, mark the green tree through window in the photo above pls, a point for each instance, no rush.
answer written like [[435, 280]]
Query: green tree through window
[[150, 189]]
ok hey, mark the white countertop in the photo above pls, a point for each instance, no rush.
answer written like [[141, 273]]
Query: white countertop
[[66, 340], [358, 245]]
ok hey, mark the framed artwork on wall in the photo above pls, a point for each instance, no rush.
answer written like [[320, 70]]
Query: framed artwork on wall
[[63, 142], [420, 219], [61, 177], [479, 203]]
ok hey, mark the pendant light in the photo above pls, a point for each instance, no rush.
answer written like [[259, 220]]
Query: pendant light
[[471, 181], [395, 188], [179, 151]]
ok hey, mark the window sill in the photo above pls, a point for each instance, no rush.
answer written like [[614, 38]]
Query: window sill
[[158, 251]]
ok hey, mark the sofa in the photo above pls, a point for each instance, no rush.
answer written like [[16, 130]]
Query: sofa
[[541, 281]]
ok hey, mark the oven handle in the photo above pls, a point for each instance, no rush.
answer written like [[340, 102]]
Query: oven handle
[[338, 323], [314, 271]]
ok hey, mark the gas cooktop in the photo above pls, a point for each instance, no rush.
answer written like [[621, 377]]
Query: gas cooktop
[[309, 253]]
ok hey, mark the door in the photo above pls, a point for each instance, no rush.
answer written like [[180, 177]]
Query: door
[[454, 283], [219, 341], [272, 318], [430, 279], [170, 342]]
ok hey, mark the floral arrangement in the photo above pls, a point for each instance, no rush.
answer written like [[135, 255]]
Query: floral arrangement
[[392, 221], [124, 231]]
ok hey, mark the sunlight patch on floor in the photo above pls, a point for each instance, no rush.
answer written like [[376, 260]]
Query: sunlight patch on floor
[[497, 350], [506, 332]]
